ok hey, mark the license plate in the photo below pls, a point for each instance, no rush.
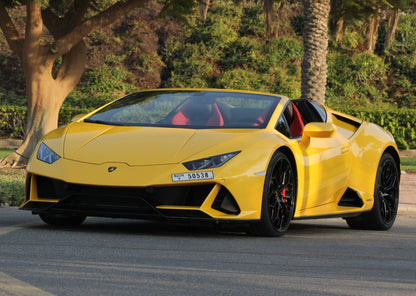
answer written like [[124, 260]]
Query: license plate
[[193, 176]]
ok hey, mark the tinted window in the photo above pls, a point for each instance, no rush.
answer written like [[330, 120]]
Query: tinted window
[[283, 127], [191, 109]]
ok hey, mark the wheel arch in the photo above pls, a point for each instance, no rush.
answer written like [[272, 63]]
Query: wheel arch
[[393, 152], [286, 151], [289, 154]]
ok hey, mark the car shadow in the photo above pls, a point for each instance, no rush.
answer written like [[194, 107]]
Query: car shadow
[[157, 228]]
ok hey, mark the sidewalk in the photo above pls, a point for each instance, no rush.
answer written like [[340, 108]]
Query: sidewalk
[[407, 198], [9, 143]]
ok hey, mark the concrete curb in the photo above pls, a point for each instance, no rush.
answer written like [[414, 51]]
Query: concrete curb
[[10, 143], [406, 209], [408, 153]]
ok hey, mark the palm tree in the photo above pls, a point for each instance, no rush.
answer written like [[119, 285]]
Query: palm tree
[[315, 43]]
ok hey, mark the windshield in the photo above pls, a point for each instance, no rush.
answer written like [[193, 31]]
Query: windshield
[[189, 109]]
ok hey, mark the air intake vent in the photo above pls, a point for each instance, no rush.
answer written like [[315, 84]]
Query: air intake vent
[[225, 202], [351, 198]]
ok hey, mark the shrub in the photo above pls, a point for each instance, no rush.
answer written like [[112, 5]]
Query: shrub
[[101, 85], [361, 77], [245, 53], [252, 21], [192, 72], [12, 86], [13, 119], [401, 122], [242, 79], [12, 187]]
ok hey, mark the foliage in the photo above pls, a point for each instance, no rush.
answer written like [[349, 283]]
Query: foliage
[[252, 21], [230, 50], [408, 164], [206, 59], [5, 152], [360, 77], [12, 86], [12, 186], [101, 85], [13, 119], [400, 122]]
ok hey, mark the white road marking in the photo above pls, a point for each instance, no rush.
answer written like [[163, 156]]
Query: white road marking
[[9, 286], [8, 229]]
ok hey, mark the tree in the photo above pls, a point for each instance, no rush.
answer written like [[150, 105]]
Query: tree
[[345, 12], [395, 7], [270, 15], [315, 43], [373, 12], [53, 54], [203, 8]]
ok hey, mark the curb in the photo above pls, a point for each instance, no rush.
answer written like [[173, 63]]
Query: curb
[[408, 153], [10, 143], [407, 209]]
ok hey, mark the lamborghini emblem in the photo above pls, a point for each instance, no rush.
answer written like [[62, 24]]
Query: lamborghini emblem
[[111, 169]]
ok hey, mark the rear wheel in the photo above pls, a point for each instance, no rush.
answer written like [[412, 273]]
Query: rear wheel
[[279, 197], [386, 198], [62, 219]]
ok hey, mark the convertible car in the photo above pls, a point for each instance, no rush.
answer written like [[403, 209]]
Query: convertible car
[[203, 155]]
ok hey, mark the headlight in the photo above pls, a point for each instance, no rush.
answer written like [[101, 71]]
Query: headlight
[[46, 154], [209, 162]]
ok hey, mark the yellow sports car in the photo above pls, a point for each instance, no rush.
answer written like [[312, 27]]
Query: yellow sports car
[[258, 160]]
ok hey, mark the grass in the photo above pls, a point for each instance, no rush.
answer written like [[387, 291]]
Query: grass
[[12, 181], [12, 186], [408, 164], [5, 152]]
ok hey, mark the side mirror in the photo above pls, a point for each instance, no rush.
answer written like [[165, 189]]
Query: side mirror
[[77, 117], [317, 130]]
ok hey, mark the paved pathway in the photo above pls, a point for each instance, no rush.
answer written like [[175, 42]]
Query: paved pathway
[[408, 192]]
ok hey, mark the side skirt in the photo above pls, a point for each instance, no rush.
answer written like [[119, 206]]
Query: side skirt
[[340, 215]]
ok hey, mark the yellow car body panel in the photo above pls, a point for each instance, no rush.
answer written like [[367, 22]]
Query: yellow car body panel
[[330, 157]]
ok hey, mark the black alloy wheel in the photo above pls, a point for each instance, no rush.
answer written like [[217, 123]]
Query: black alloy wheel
[[386, 198], [279, 197]]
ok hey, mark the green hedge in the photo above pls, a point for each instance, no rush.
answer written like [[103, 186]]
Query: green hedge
[[400, 122], [13, 119]]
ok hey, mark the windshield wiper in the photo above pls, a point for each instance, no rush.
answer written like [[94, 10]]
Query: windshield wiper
[[102, 122]]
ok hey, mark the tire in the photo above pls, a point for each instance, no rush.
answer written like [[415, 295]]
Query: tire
[[64, 220], [279, 197], [386, 198]]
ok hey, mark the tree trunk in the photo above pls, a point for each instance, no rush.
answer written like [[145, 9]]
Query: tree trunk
[[394, 15], [45, 93], [203, 9], [315, 43], [372, 33], [268, 16], [340, 30], [45, 97]]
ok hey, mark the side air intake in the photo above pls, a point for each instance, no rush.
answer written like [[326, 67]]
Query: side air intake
[[225, 202], [351, 198]]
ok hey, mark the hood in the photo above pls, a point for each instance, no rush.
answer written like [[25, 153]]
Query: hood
[[97, 144]]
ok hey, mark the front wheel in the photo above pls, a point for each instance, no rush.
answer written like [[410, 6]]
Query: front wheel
[[279, 197], [62, 219], [386, 198]]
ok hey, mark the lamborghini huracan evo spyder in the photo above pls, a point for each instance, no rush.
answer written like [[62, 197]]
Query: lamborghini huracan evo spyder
[[216, 155]]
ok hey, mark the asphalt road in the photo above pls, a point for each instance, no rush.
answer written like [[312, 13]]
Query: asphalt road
[[125, 257]]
